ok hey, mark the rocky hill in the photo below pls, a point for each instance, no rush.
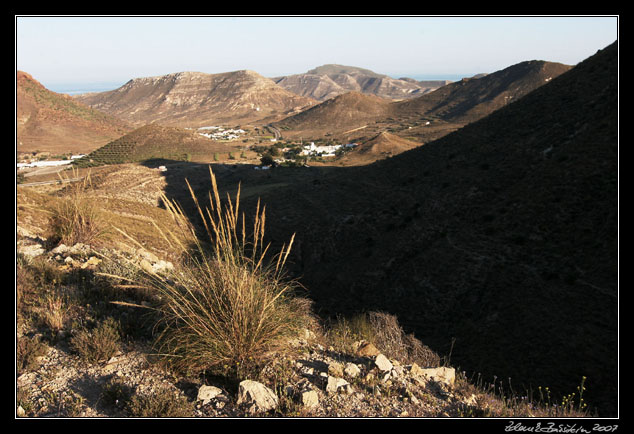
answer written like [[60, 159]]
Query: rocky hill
[[344, 112], [473, 98], [154, 142], [85, 337], [358, 117], [196, 99], [502, 235], [51, 122], [328, 81], [495, 246], [383, 145]]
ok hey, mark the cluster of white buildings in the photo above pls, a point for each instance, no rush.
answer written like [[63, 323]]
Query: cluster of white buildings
[[323, 151], [220, 133], [48, 163]]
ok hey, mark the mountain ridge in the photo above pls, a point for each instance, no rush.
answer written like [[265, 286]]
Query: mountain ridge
[[502, 235], [330, 80], [355, 116], [194, 99], [54, 122]]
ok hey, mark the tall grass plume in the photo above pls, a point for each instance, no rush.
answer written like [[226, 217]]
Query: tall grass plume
[[226, 308]]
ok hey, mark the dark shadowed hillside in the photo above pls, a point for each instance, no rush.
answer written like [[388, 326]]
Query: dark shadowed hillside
[[502, 235], [472, 98], [383, 145]]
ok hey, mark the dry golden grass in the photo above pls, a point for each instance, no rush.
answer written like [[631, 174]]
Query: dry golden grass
[[97, 344], [77, 218], [385, 332], [54, 312], [227, 307]]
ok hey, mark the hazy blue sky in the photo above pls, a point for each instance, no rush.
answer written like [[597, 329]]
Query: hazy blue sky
[[78, 50]]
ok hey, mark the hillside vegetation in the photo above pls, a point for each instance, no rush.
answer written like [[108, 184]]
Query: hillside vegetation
[[53, 122], [357, 117], [502, 235], [106, 328], [461, 261]]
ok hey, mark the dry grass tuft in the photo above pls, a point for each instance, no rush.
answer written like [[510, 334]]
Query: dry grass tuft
[[226, 308], [77, 218], [384, 331], [54, 312], [28, 353]]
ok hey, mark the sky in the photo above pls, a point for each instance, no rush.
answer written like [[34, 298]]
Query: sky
[[75, 51]]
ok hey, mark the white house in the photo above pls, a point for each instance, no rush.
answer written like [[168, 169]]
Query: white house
[[324, 151]]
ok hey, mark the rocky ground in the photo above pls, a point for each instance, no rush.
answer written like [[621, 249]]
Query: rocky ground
[[317, 381]]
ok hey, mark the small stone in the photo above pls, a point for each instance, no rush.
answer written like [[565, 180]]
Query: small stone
[[207, 393], [441, 374], [146, 266], [91, 262], [335, 369], [335, 384], [397, 371], [20, 411], [257, 396], [310, 399], [61, 249], [352, 370]]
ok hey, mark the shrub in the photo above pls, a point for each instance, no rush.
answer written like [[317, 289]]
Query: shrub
[[160, 403], [384, 331], [227, 309], [116, 394], [28, 352], [98, 344], [77, 218], [267, 160], [54, 311]]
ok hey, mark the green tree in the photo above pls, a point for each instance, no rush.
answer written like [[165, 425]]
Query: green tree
[[267, 160]]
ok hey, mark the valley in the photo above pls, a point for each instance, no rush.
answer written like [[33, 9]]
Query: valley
[[482, 213]]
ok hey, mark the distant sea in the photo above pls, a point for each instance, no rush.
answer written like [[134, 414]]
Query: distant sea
[[75, 89], [424, 77]]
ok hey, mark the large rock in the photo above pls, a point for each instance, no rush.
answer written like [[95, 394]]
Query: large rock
[[441, 374], [335, 385], [31, 250], [383, 363], [366, 349], [256, 396]]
